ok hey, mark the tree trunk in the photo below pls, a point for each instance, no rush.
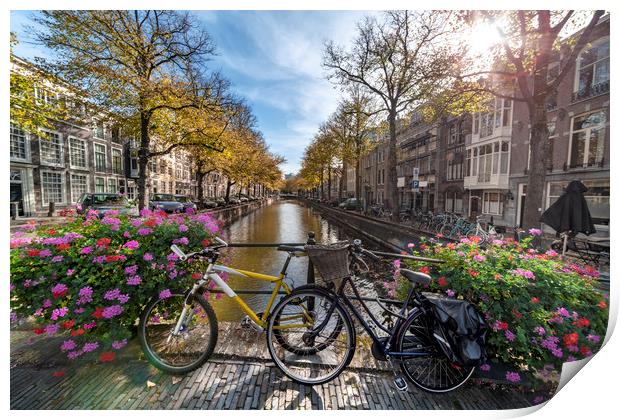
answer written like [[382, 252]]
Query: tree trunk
[[390, 187], [228, 185], [200, 176], [143, 160], [343, 180], [539, 144], [329, 183], [358, 178], [322, 192]]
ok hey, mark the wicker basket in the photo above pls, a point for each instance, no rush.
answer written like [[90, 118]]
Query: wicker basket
[[332, 261]]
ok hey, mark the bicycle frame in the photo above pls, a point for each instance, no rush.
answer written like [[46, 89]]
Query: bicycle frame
[[211, 274]]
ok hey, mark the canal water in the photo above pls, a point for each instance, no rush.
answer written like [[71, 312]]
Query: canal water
[[281, 222]]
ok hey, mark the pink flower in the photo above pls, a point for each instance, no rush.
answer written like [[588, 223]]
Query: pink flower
[[147, 257], [535, 232], [410, 245], [131, 270], [396, 263], [88, 347], [132, 245], [510, 336], [479, 258], [112, 311], [183, 228], [70, 272], [86, 250], [144, 231], [485, 367], [134, 280], [67, 345], [165, 294], [513, 377], [59, 313], [119, 344], [450, 293], [524, 273]]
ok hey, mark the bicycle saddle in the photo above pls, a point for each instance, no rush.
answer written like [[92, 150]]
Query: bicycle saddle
[[415, 277]]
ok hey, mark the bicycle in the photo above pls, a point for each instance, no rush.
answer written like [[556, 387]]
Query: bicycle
[[484, 234], [178, 333], [412, 341]]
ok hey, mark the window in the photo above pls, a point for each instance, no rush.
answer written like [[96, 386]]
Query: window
[[45, 96], [51, 186], [78, 186], [19, 148], [100, 158], [133, 160], [587, 141], [468, 163], [98, 129], [491, 203], [51, 149], [117, 161], [111, 185], [498, 115], [99, 184], [453, 134], [77, 152], [454, 202], [597, 197], [131, 192], [504, 158], [593, 69]]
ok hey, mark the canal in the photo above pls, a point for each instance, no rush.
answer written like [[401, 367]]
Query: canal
[[283, 221]]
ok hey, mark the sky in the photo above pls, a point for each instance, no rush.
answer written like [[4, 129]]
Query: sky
[[273, 59]]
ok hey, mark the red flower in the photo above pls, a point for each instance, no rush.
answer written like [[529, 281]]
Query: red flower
[[38, 331], [108, 356], [150, 223], [425, 270], [58, 374], [571, 339], [442, 281], [535, 300], [63, 247], [585, 351], [104, 242], [602, 304], [475, 239], [196, 276], [79, 331], [33, 252], [473, 273], [98, 313], [497, 276], [112, 258], [205, 242], [517, 314], [502, 325], [51, 232], [582, 322], [68, 324], [450, 245]]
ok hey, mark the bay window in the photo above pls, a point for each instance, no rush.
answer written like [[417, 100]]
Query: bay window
[[593, 69], [587, 140]]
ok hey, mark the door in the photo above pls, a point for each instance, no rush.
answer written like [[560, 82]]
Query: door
[[17, 197], [522, 195]]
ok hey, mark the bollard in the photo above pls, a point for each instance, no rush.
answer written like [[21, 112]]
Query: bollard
[[310, 275], [51, 209]]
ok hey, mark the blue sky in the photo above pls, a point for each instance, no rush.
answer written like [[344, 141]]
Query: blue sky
[[273, 59]]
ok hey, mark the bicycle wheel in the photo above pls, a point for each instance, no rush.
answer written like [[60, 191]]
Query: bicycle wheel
[[433, 373], [317, 329], [303, 349], [191, 346]]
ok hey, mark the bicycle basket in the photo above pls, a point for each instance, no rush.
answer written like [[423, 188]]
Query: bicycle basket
[[331, 261]]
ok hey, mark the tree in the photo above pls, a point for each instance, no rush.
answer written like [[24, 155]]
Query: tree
[[400, 60], [138, 64], [530, 43]]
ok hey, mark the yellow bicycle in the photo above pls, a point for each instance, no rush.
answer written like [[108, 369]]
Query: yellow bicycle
[[178, 332]]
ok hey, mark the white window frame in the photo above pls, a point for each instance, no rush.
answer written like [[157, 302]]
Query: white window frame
[[105, 154], [122, 163], [105, 183], [85, 175], [27, 159], [593, 44], [71, 164], [63, 187], [500, 204], [62, 149], [94, 130], [588, 132]]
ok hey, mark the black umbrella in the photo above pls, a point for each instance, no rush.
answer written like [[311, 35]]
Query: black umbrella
[[570, 212]]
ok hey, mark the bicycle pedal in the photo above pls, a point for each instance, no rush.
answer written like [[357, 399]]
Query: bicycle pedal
[[400, 383]]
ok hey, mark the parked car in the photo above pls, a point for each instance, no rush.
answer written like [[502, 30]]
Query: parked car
[[233, 200], [243, 199], [209, 203], [334, 202], [351, 204], [104, 202], [165, 202], [186, 201], [220, 201]]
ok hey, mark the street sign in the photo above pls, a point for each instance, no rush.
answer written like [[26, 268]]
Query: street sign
[[423, 184], [415, 184], [400, 182], [416, 172]]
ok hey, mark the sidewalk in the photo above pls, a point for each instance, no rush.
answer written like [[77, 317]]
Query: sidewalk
[[41, 378]]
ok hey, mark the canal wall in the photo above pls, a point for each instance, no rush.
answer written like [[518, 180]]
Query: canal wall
[[227, 215], [390, 235]]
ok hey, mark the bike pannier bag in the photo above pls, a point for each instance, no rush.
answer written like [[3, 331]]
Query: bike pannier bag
[[460, 331]]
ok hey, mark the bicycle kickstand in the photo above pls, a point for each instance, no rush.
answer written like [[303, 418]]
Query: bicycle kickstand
[[399, 381]]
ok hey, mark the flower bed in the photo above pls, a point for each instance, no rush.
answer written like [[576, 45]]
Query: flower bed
[[542, 311], [89, 280]]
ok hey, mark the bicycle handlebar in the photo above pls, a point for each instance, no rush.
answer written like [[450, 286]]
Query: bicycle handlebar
[[183, 256]]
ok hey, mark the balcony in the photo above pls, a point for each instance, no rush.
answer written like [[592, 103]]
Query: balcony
[[591, 91], [495, 181]]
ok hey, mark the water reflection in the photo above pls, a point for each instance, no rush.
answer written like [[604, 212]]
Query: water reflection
[[284, 221]]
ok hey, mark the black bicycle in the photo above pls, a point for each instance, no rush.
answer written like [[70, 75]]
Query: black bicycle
[[412, 342]]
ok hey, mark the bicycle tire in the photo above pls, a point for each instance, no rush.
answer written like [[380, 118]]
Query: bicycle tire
[[419, 327], [148, 346], [300, 351], [311, 358]]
